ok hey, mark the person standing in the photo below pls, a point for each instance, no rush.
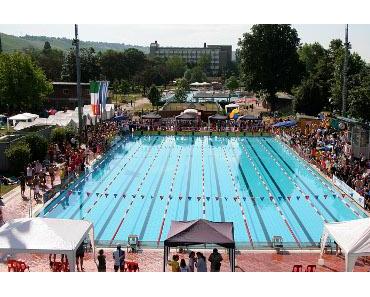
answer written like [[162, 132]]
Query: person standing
[[175, 267], [183, 266], [201, 263], [215, 258], [102, 266], [119, 259], [80, 253], [22, 180], [192, 261]]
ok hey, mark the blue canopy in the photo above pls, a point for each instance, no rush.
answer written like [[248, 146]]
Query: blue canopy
[[285, 124], [120, 118]]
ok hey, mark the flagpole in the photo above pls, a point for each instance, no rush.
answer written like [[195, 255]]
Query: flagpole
[[76, 42]]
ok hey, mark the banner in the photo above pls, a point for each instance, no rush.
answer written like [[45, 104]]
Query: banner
[[98, 94], [349, 191]]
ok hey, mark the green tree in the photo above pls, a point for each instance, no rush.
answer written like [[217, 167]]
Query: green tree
[[204, 62], [50, 60], [58, 135], [23, 85], [269, 59], [359, 97], [134, 61], [38, 146], [187, 75], [175, 66], [232, 84], [124, 87], [90, 66], [182, 89], [47, 46], [113, 65], [154, 95], [197, 74], [19, 155]]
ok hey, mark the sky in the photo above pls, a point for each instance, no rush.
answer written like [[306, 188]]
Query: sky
[[191, 34]]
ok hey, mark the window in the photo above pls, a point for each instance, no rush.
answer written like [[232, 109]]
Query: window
[[65, 91]]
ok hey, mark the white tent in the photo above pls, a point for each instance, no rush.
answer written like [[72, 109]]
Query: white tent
[[353, 237], [47, 236], [22, 117]]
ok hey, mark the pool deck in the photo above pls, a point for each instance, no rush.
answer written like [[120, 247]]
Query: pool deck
[[151, 261]]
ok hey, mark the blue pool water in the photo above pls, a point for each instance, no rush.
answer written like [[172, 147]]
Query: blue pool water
[[145, 182]]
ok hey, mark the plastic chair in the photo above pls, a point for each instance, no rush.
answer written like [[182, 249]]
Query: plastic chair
[[310, 268], [12, 265], [131, 267], [297, 268], [22, 266]]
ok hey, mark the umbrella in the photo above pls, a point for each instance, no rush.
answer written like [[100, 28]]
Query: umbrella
[[285, 124]]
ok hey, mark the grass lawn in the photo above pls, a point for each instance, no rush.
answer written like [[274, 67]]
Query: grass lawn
[[120, 98], [6, 189]]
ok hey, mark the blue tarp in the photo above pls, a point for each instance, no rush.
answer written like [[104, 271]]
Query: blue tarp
[[285, 124]]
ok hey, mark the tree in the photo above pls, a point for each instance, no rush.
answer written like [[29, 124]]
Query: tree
[[204, 62], [90, 66], [113, 65], [310, 97], [175, 66], [134, 60], [50, 60], [359, 97], [19, 155], [232, 84], [154, 95], [124, 87], [187, 75], [23, 85], [58, 135], [197, 74], [38, 146], [47, 46], [269, 59], [182, 90]]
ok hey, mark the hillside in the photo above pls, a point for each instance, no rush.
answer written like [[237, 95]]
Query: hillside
[[13, 43]]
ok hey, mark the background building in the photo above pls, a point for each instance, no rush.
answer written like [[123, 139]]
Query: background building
[[65, 95], [220, 55]]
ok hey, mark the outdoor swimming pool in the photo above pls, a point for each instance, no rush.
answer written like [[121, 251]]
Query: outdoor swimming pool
[[258, 183]]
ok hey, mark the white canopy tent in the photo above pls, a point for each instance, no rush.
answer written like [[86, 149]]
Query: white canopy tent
[[22, 117], [46, 236], [353, 237]]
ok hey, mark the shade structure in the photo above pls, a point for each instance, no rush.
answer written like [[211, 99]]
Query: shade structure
[[285, 124], [151, 116], [186, 116], [44, 235], [185, 233], [352, 236], [218, 117], [249, 118]]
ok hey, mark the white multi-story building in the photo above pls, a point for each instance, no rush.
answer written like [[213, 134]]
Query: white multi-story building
[[220, 55]]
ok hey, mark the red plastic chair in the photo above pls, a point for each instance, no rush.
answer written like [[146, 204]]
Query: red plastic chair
[[297, 268], [131, 267], [12, 265], [310, 268], [22, 266], [57, 266]]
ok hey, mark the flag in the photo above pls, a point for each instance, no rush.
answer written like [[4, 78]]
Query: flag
[[94, 95], [103, 93]]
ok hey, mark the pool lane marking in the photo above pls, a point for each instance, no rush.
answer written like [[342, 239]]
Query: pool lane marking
[[203, 192], [299, 188], [262, 223], [95, 167], [282, 194], [169, 197], [107, 221], [238, 198], [272, 199], [325, 184], [186, 208], [149, 213], [136, 193], [307, 197], [221, 206], [105, 190]]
